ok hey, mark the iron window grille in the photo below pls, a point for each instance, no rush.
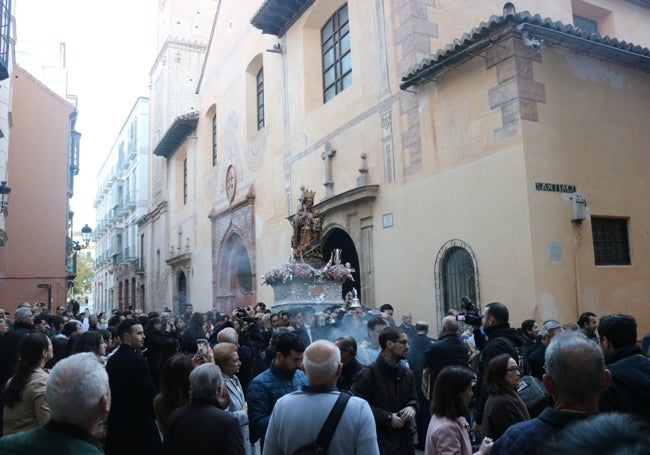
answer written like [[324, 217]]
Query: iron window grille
[[611, 242]]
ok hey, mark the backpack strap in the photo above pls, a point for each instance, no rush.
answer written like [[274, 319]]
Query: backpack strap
[[326, 433]]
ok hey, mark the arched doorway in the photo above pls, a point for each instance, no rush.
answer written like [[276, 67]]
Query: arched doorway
[[456, 275], [338, 238], [236, 278], [181, 289]]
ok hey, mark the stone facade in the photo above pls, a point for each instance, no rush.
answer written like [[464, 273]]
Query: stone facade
[[415, 177]]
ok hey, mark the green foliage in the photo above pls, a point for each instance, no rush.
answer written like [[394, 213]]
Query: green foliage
[[83, 283]]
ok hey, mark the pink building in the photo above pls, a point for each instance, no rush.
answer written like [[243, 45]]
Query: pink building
[[36, 263]]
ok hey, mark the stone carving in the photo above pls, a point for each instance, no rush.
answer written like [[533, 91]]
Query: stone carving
[[307, 229]]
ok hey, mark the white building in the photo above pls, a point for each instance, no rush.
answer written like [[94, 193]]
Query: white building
[[121, 200]]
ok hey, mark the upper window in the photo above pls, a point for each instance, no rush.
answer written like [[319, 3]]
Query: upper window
[[585, 23], [611, 244], [214, 140], [260, 99], [335, 50]]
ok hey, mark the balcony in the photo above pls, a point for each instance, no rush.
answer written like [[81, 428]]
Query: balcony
[[129, 201], [129, 255], [131, 151], [5, 38]]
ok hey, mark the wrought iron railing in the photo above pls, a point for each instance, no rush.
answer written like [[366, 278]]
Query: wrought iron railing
[[5, 38]]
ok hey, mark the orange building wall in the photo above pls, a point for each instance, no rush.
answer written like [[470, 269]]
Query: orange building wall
[[35, 252]]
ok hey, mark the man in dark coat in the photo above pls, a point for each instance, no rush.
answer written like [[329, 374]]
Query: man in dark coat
[[131, 425], [502, 339], [419, 345], [630, 388], [449, 350], [351, 366], [201, 426], [389, 388]]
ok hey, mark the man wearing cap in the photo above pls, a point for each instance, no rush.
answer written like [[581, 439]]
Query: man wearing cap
[[536, 357]]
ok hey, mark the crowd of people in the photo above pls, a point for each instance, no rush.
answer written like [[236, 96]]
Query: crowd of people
[[259, 381]]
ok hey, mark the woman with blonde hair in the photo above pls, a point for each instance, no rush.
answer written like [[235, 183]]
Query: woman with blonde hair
[[226, 358]]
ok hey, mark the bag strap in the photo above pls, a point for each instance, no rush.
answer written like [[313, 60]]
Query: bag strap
[[326, 433]]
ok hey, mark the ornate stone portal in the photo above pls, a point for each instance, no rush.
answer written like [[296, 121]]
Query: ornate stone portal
[[306, 279]]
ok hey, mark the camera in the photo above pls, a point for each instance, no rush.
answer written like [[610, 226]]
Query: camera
[[241, 313], [470, 315]]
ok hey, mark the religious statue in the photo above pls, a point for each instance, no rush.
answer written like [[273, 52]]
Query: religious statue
[[307, 228]]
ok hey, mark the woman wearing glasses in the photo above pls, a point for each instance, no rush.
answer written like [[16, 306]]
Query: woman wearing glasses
[[503, 406]]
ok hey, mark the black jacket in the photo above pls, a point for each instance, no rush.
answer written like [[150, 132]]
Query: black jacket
[[449, 350], [201, 427], [348, 375], [131, 424], [502, 339], [420, 344], [629, 390], [388, 389]]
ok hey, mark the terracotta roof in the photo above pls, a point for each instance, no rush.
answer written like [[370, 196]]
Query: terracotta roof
[[478, 38], [182, 126], [276, 16]]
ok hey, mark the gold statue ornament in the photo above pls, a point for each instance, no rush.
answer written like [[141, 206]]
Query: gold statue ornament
[[307, 229]]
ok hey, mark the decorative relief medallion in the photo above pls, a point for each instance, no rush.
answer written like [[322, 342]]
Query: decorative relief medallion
[[231, 183]]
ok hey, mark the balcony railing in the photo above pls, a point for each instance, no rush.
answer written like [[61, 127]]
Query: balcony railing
[[5, 38]]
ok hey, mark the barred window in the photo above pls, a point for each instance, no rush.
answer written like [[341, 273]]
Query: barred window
[[260, 99], [336, 54], [214, 140], [185, 181], [611, 243]]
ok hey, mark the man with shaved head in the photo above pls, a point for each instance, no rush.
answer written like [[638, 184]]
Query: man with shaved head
[[355, 431]]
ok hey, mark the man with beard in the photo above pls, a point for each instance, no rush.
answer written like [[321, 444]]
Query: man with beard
[[281, 378], [502, 339], [389, 388]]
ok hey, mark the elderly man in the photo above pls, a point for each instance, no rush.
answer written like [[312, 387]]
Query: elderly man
[[355, 431], [79, 397], [201, 426], [575, 377], [536, 356], [351, 366], [389, 387]]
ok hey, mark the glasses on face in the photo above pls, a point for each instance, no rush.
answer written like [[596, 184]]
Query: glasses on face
[[513, 370]]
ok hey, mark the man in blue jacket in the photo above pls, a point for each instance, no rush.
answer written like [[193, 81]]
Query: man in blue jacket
[[283, 377]]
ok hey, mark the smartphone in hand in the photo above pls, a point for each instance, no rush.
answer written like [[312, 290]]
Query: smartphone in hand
[[203, 347]]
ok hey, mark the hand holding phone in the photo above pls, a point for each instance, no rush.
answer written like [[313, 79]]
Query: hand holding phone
[[202, 347]]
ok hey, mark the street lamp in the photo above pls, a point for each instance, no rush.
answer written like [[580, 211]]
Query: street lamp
[[85, 235], [4, 196]]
